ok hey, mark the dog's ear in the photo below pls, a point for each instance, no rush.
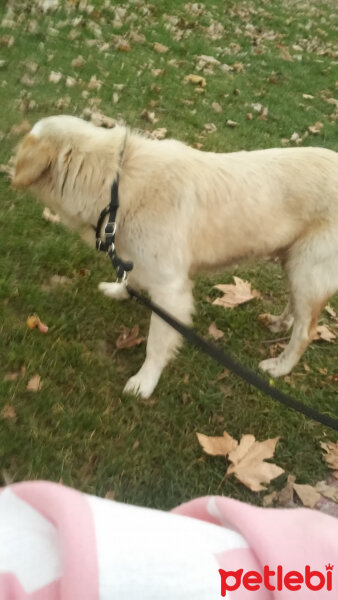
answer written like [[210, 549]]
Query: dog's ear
[[33, 158]]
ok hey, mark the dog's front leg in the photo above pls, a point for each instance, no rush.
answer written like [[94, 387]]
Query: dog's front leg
[[163, 341], [117, 291]]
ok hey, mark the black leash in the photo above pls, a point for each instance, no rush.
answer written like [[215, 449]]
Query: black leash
[[122, 267], [228, 362]]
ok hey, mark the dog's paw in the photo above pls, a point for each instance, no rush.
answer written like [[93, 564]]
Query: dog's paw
[[115, 290], [272, 322], [138, 387], [274, 366]]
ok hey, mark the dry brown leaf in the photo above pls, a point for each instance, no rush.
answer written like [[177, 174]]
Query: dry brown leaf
[[128, 338], [210, 127], [235, 294], [33, 321], [324, 333], [329, 491], [270, 499], [231, 123], [285, 496], [49, 216], [307, 494], [217, 446], [215, 333], [216, 107], [94, 83], [161, 48], [123, 46], [149, 116], [55, 281], [21, 128], [34, 384], [55, 77], [331, 456], [249, 464], [8, 412], [316, 128], [196, 80], [285, 53], [78, 62], [331, 311]]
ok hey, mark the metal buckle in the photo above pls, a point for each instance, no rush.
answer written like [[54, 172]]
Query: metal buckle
[[110, 228]]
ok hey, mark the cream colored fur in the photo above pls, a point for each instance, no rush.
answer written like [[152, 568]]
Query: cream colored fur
[[182, 210]]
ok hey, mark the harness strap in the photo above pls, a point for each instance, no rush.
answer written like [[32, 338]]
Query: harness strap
[[108, 243]]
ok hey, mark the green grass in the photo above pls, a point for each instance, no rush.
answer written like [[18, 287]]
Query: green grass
[[80, 429]]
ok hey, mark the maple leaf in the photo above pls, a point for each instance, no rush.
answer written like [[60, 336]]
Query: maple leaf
[[196, 80], [215, 333], [33, 321], [324, 333], [8, 412], [34, 384], [235, 294], [217, 446], [316, 128], [249, 465], [128, 338], [161, 48], [308, 495], [331, 456]]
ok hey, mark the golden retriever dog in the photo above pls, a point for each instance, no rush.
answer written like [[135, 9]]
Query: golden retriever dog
[[182, 210]]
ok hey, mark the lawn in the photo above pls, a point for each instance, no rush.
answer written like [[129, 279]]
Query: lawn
[[275, 76]]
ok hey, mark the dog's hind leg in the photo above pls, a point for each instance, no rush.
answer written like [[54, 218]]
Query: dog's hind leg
[[281, 322], [313, 276], [163, 340]]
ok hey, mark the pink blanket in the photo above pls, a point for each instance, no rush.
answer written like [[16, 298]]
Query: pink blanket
[[59, 544]]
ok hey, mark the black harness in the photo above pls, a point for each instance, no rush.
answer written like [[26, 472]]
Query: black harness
[[107, 244]]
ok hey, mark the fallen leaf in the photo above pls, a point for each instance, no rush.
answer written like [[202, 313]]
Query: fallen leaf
[[149, 116], [285, 53], [196, 80], [123, 46], [78, 62], [316, 128], [33, 321], [331, 456], [331, 311], [49, 216], [94, 83], [307, 494], [215, 333], [285, 496], [269, 499], [231, 123], [235, 294], [210, 127], [8, 412], [158, 134], [324, 333], [329, 491], [128, 338], [217, 446], [249, 465], [216, 107], [54, 281], [21, 128], [34, 384], [160, 48], [55, 77], [13, 376]]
